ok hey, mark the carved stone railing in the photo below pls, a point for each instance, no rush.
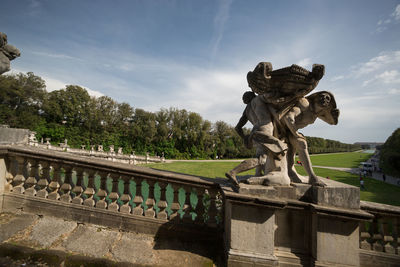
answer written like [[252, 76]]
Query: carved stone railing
[[104, 192], [111, 155], [382, 234], [380, 238]]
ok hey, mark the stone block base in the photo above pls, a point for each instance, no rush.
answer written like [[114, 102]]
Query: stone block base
[[236, 259]]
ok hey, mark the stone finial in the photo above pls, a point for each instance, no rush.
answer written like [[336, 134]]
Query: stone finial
[[83, 147], [100, 148], [120, 150], [111, 148]]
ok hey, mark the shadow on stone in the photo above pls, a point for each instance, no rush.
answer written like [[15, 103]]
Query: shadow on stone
[[197, 239]]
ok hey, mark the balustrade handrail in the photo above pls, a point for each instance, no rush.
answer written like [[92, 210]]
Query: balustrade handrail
[[380, 209], [103, 165]]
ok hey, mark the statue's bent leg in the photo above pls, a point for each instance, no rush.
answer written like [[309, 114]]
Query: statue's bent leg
[[245, 165], [306, 162], [294, 176]]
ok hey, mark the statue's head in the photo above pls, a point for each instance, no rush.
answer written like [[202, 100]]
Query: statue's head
[[324, 106], [7, 52], [11, 51]]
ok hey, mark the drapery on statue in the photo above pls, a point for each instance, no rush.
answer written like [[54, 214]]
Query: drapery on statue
[[278, 107], [7, 53]]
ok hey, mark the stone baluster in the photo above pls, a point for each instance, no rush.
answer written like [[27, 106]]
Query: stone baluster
[[212, 210], [138, 199], [31, 181], [102, 193], [150, 202], [10, 168], [187, 207], [67, 185], [44, 180], [162, 204], [114, 196], [55, 182], [90, 190], [388, 238], [126, 197], [364, 237], [199, 209], [19, 178], [78, 189], [175, 206], [377, 237]]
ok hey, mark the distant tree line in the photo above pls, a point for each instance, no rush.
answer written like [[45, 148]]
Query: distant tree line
[[318, 145], [71, 113], [389, 160]]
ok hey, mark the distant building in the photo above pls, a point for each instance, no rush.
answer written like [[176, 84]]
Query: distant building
[[368, 145]]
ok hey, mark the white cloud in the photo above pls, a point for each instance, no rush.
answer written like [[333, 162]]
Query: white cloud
[[384, 59], [386, 77], [215, 94], [305, 62], [54, 84], [396, 13], [394, 91]]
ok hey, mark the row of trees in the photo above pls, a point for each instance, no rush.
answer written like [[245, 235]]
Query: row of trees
[[318, 145], [389, 160], [72, 114]]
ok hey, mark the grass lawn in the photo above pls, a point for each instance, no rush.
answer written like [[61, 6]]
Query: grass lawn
[[346, 160], [375, 191], [205, 169]]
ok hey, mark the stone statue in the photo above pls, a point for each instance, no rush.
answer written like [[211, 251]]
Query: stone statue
[[277, 107], [7, 53]]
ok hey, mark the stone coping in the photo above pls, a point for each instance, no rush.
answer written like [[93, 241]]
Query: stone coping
[[383, 209], [277, 198]]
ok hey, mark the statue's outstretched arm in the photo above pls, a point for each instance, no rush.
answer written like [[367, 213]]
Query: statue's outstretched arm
[[239, 129]]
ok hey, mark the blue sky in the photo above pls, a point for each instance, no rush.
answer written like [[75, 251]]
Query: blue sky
[[196, 54]]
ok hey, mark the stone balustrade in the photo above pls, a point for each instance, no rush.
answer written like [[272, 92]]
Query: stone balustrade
[[111, 155], [297, 225], [382, 234], [50, 178]]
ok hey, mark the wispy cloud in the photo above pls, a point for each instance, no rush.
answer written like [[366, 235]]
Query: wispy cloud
[[384, 59], [35, 7], [386, 77], [383, 24], [337, 78], [220, 20], [394, 91], [53, 55], [396, 13]]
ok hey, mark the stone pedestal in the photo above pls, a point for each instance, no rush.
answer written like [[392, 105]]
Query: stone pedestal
[[250, 235], [297, 225]]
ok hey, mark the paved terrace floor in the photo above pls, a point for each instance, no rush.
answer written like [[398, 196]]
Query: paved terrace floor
[[34, 240]]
